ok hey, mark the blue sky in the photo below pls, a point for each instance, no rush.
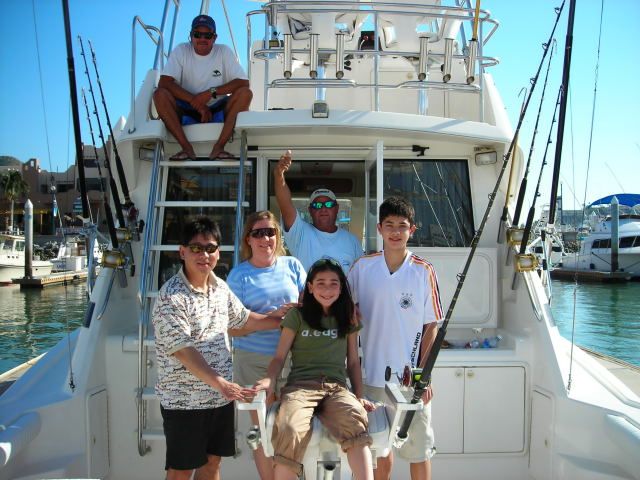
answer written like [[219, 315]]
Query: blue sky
[[615, 157]]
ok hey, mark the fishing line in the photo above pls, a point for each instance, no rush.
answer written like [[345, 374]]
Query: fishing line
[[586, 185], [425, 376]]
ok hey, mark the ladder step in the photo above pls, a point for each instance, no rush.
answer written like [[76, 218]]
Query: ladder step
[[203, 163], [175, 248], [199, 203], [153, 434]]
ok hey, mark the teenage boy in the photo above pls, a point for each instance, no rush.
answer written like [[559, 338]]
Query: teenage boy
[[397, 294], [191, 316]]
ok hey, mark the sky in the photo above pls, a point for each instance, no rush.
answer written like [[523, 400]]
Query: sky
[[35, 118]]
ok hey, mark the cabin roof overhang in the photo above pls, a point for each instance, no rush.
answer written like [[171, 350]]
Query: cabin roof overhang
[[261, 125]]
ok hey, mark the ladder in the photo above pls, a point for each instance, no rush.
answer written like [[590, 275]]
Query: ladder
[[159, 205]]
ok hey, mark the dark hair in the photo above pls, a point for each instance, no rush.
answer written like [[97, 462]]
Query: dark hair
[[200, 226], [343, 308], [397, 206]]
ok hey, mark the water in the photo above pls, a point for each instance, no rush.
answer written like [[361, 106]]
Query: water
[[607, 319], [32, 321]]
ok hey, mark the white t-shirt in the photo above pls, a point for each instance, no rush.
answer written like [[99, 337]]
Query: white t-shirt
[[394, 309], [309, 244], [197, 73]]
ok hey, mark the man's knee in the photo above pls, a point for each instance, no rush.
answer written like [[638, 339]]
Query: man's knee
[[241, 98]]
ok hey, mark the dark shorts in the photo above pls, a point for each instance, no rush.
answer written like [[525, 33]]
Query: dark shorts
[[188, 115], [193, 434]]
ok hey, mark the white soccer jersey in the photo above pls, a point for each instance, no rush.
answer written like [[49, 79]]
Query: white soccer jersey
[[394, 309]]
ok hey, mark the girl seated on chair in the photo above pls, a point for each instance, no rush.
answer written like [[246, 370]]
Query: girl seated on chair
[[320, 335]]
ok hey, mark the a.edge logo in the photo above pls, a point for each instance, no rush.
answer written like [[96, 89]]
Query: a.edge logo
[[216, 73]]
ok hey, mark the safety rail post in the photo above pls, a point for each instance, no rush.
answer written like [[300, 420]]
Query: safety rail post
[[150, 233], [239, 213]]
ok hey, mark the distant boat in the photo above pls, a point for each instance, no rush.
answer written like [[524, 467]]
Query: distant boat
[[72, 255], [12, 259], [595, 249]]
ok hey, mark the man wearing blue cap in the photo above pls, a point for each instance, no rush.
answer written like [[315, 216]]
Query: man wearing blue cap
[[201, 79]]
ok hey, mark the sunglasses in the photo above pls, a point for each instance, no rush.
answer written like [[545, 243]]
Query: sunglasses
[[262, 232], [198, 248], [207, 35], [319, 205], [325, 261]]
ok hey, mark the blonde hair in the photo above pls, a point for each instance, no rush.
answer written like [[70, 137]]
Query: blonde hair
[[245, 249]]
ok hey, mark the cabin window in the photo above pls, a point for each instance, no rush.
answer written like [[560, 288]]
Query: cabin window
[[440, 192], [627, 242]]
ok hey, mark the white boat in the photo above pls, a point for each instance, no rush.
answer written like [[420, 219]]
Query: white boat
[[595, 248], [72, 255], [532, 408], [12, 249]]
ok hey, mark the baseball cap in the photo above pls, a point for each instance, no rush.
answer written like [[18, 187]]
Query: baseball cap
[[204, 21], [322, 192]]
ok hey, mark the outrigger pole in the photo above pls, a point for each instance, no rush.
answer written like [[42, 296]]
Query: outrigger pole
[[74, 110], [545, 46], [568, 47], [123, 180], [425, 376], [105, 200], [112, 182]]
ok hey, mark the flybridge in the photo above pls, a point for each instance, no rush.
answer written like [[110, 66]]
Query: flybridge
[[380, 56]]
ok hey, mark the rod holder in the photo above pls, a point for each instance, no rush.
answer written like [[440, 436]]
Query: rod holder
[[471, 61], [287, 56], [313, 55], [423, 60], [339, 55], [448, 56], [253, 437]]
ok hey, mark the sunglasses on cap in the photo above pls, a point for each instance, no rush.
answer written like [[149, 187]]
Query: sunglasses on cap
[[198, 248], [319, 205], [325, 261], [207, 35], [263, 232]]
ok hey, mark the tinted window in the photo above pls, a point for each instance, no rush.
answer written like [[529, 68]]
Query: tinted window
[[627, 242], [440, 192]]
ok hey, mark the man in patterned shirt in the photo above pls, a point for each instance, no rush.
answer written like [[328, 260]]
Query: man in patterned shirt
[[191, 316]]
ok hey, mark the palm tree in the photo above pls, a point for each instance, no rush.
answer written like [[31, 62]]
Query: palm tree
[[13, 186]]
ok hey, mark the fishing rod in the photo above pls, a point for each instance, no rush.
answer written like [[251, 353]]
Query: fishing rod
[[568, 47], [112, 183], [425, 376], [123, 180], [523, 183], [527, 229], [107, 206], [534, 80]]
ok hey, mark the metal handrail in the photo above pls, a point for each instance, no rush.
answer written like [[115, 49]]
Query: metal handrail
[[159, 42], [150, 234], [375, 9]]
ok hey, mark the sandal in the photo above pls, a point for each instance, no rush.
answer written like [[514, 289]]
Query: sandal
[[182, 156], [222, 155]]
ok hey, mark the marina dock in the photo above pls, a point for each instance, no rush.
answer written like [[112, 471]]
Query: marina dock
[[52, 279], [590, 275]]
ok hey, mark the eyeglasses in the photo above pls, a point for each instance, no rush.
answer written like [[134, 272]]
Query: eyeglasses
[[207, 35], [319, 205], [263, 232], [198, 248]]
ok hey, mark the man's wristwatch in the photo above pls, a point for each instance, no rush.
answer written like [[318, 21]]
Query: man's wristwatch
[[213, 93]]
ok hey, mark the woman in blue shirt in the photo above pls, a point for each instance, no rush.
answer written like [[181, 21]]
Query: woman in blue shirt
[[264, 281]]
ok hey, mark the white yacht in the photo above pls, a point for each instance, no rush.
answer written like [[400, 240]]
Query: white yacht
[[12, 249], [373, 98], [595, 248]]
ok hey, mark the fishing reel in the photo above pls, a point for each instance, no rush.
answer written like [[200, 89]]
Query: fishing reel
[[409, 378]]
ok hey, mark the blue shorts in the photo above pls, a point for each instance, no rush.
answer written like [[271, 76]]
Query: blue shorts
[[188, 115], [191, 435]]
